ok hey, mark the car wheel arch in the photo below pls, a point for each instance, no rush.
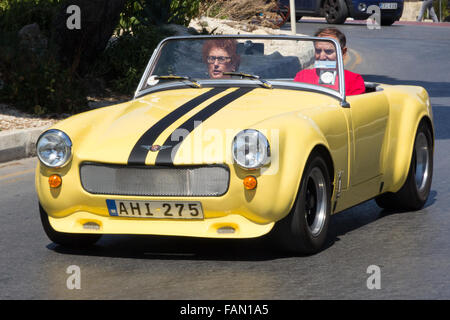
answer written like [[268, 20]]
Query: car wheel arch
[[414, 192], [289, 231], [298, 129], [323, 151], [347, 2], [403, 160], [326, 155], [427, 121]]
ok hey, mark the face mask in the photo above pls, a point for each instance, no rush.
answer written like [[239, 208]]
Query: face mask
[[325, 64]]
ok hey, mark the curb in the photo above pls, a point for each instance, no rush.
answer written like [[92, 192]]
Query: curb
[[19, 144], [350, 21]]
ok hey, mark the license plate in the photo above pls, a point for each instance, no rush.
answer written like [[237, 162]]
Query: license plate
[[388, 5], [155, 209]]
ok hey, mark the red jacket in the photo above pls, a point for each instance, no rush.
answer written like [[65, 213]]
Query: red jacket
[[354, 83]]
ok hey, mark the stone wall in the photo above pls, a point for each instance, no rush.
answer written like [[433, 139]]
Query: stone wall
[[412, 7], [411, 10]]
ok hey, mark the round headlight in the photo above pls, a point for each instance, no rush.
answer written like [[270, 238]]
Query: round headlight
[[251, 149], [54, 148]]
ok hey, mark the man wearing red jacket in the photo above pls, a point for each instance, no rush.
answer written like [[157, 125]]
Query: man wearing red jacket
[[325, 51]]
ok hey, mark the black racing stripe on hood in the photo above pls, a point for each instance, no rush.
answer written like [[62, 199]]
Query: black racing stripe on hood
[[139, 153], [166, 155]]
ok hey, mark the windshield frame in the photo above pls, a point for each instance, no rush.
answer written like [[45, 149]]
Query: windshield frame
[[230, 82]]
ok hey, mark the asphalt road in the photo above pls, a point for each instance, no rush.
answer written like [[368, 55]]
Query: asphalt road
[[411, 249]]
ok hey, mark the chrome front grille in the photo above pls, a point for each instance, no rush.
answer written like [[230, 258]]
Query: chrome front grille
[[183, 181]]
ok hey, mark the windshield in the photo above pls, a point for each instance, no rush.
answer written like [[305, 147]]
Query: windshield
[[196, 61]]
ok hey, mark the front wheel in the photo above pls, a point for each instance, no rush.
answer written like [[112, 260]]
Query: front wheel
[[336, 11], [72, 240], [304, 229], [414, 193]]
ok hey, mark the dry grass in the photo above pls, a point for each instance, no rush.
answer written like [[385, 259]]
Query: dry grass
[[259, 12]]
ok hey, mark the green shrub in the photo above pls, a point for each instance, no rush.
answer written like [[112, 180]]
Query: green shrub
[[185, 11], [35, 82], [33, 79], [125, 59], [158, 12], [14, 14], [441, 10]]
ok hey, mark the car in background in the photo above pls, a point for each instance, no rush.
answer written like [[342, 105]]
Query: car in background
[[337, 11]]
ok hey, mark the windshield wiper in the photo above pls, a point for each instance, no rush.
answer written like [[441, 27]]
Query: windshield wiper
[[194, 82], [263, 82]]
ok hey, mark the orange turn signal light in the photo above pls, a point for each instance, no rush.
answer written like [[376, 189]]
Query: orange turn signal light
[[55, 181], [250, 182]]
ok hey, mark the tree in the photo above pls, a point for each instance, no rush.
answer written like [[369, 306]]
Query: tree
[[82, 29]]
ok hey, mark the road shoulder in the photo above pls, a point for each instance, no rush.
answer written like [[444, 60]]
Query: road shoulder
[[18, 144]]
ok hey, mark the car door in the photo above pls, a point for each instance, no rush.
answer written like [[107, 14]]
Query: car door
[[305, 5], [369, 118], [300, 5]]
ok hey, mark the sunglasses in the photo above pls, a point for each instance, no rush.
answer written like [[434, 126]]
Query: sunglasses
[[220, 59], [327, 51]]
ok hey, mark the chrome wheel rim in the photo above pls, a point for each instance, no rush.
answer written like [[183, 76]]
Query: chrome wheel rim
[[315, 201], [422, 161]]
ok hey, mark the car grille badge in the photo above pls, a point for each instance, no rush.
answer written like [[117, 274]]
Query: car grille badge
[[155, 147]]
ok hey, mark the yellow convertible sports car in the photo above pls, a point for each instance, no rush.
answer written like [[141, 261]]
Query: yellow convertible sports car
[[221, 142]]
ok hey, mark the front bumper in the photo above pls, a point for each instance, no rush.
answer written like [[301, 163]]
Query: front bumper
[[359, 15], [230, 226], [248, 213]]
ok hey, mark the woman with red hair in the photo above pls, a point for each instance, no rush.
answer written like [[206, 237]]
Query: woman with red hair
[[220, 56]]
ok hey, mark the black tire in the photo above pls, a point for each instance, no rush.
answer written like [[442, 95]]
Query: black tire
[[414, 193], [336, 11], [387, 21], [72, 240], [304, 229]]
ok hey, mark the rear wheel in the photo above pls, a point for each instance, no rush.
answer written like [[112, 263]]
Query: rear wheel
[[304, 230], [73, 240], [336, 11], [414, 193]]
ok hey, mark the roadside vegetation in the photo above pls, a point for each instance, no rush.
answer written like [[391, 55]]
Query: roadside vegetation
[[257, 12], [442, 9], [47, 69]]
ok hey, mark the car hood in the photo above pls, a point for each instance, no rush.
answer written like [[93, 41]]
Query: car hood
[[184, 126]]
